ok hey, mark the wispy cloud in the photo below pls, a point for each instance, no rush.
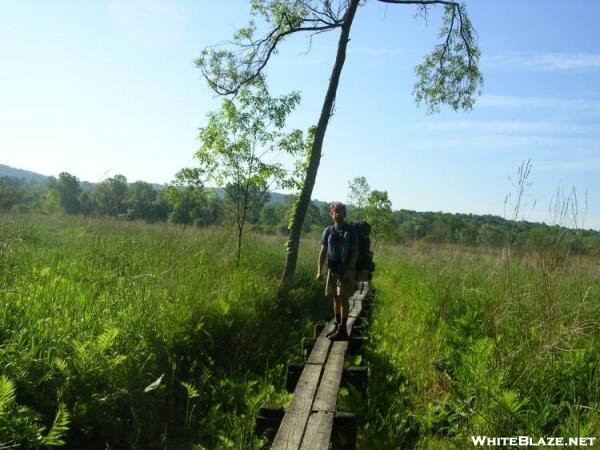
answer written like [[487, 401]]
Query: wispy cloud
[[555, 103], [519, 127], [543, 61], [493, 142], [569, 166]]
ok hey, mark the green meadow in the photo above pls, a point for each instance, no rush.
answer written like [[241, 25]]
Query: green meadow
[[126, 335], [135, 336], [482, 342]]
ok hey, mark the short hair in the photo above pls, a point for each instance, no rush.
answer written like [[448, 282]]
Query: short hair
[[338, 205]]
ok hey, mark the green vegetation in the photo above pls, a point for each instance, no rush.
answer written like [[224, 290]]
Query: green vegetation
[[449, 74], [187, 202], [237, 141], [481, 342], [126, 335], [129, 335]]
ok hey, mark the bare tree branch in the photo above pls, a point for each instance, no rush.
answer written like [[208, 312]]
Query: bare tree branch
[[229, 66]]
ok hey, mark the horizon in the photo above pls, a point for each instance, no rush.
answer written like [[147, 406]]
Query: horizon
[[109, 87], [350, 205]]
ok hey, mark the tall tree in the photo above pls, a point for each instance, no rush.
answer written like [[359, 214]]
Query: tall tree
[[448, 75], [253, 198], [237, 141], [68, 189], [185, 198], [141, 202], [109, 197], [358, 196], [378, 212]]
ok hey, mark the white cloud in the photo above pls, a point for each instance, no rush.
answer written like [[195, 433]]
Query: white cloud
[[569, 166], [554, 103], [527, 143], [544, 62], [497, 126]]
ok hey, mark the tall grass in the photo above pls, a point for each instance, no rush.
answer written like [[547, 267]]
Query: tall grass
[[125, 335], [481, 342]]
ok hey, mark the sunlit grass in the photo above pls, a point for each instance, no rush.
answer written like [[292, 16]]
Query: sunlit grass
[[472, 342], [145, 336], [96, 311]]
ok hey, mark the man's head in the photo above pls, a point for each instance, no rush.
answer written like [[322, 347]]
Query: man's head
[[338, 212]]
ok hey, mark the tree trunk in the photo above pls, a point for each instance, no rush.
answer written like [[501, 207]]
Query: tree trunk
[[315, 158], [241, 221], [239, 247]]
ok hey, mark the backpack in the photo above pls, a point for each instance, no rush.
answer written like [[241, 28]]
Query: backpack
[[364, 263], [338, 247], [338, 253]]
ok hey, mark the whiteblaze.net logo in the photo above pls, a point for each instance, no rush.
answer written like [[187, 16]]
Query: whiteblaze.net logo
[[528, 441]]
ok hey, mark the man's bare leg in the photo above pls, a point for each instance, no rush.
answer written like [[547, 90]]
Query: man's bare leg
[[337, 312], [341, 316]]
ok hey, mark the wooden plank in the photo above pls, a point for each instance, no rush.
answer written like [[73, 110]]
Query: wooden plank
[[294, 422], [327, 393], [308, 421], [354, 313], [318, 431], [356, 308], [356, 303], [350, 324], [318, 355]]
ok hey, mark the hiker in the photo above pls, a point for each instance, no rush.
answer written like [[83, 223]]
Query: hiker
[[339, 244]]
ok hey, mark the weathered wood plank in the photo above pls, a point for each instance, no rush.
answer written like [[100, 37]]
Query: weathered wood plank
[[356, 308], [350, 324], [294, 422], [318, 355], [309, 419], [327, 393], [356, 303], [318, 431], [354, 313]]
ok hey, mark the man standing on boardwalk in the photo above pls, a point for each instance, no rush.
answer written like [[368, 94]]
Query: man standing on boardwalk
[[339, 245]]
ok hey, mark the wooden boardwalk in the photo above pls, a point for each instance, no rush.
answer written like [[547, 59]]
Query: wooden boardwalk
[[308, 421]]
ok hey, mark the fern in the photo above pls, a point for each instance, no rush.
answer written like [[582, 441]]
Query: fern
[[192, 392], [60, 364], [59, 427], [512, 403], [7, 393], [107, 339]]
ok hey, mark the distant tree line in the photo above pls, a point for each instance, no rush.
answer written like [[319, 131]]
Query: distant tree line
[[186, 201], [404, 226]]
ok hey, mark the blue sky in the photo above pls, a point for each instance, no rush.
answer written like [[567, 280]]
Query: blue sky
[[98, 88]]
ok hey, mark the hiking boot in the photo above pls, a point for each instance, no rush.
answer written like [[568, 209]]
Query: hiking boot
[[334, 331], [340, 335]]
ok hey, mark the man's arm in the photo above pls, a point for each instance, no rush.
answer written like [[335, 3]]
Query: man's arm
[[321, 261]]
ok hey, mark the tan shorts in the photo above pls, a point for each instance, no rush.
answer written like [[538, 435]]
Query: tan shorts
[[339, 286]]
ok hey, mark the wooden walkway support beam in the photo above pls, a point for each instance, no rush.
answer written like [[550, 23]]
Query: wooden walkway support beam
[[312, 415]]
